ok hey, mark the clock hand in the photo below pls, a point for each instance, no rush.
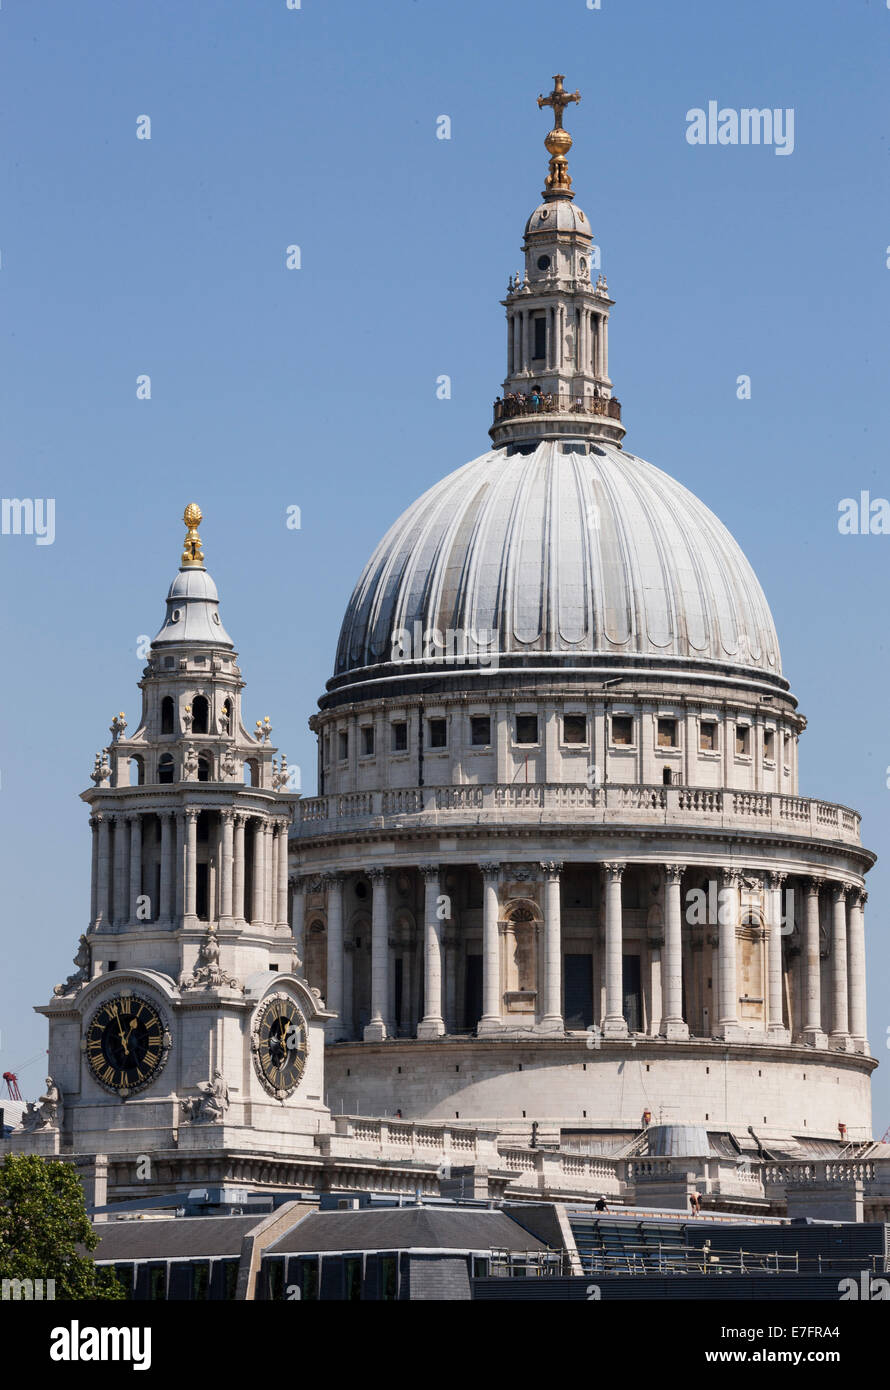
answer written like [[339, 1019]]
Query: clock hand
[[123, 1039]]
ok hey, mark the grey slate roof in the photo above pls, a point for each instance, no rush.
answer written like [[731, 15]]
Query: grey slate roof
[[402, 1228], [173, 1238]]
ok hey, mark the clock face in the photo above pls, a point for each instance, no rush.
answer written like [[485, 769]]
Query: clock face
[[126, 1043], [280, 1045]]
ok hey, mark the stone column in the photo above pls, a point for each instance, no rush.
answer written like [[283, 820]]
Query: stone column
[[840, 1013], [375, 1030], [165, 907], [333, 993], [103, 870], [227, 817], [775, 1003], [551, 1002], [614, 1022], [450, 940], [672, 1023], [121, 871], [135, 822], [191, 861], [282, 874], [490, 1022], [179, 874], [728, 919], [605, 349], [432, 1025], [272, 875], [238, 868], [94, 871], [812, 1028], [298, 917], [259, 873], [856, 969], [268, 880]]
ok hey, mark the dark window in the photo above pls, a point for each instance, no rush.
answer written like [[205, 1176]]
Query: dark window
[[578, 990], [472, 990], [540, 344], [137, 771], [388, 1277], [769, 744], [203, 767], [157, 1282], [526, 728], [353, 1278], [438, 733], [307, 1279], [622, 729], [125, 1277], [167, 715], [543, 262], [707, 736], [200, 715], [399, 737], [667, 776], [367, 740], [199, 1279], [201, 892], [165, 767], [667, 733], [632, 992], [343, 745], [480, 730], [275, 1279], [574, 728], [251, 773], [742, 738]]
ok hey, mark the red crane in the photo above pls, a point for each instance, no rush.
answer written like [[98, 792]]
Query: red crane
[[12, 1085]]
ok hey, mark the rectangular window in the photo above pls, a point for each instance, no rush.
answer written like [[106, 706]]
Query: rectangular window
[[367, 740], [667, 733], [742, 739], [707, 735], [526, 728], [343, 745], [438, 733], [769, 744], [399, 736], [623, 730], [480, 730], [574, 728], [539, 349]]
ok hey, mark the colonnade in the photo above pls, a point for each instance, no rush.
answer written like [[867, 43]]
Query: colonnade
[[845, 955], [119, 859]]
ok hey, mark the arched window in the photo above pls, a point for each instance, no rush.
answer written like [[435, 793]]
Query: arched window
[[200, 715], [165, 767], [225, 718], [251, 773], [667, 776], [204, 767], [167, 715], [137, 771]]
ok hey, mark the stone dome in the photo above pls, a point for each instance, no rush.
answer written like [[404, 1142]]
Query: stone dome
[[193, 610], [558, 215], [571, 559]]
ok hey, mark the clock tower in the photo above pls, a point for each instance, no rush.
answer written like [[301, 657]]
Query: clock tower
[[187, 1026]]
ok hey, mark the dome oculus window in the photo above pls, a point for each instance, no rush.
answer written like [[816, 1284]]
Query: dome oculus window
[[543, 262]]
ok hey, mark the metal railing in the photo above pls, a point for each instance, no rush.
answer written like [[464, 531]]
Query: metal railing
[[517, 403]]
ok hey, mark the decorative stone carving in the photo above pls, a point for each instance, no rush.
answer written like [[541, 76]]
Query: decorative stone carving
[[190, 764], [229, 766], [117, 727], [280, 775], [82, 960], [187, 719], [211, 1105], [207, 973], [47, 1113], [263, 730], [101, 773]]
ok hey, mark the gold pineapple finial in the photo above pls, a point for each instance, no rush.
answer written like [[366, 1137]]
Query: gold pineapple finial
[[559, 141], [192, 554]]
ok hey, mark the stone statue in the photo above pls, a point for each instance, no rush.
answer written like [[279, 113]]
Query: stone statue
[[187, 719], [211, 1105], [207, 973], [47, 1113], [83, 961], [229, 765], [224, 721]]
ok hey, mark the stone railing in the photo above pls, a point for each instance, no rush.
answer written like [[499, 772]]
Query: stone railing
[[517, 404], [830, 1170], [476, 804]]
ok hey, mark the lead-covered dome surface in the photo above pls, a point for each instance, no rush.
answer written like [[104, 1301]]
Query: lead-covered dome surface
[[563, 554]]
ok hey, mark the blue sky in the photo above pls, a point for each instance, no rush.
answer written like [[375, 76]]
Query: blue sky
[[316, 388]]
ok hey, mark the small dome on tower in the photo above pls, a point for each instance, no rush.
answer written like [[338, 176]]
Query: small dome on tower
[[192, 599], [558, 215]]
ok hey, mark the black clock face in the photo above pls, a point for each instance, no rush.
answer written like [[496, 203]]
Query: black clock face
[[125, 1043], [280, 1045]]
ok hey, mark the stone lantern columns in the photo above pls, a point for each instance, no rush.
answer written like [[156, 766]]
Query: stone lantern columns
[[775, 1003], [375, 1030], [552, 1018], [812, 974], [490, 1022], [856, 955], [728, 919], [672, 1025]]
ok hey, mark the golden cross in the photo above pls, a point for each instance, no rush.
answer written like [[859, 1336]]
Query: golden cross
[[559, 99]]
